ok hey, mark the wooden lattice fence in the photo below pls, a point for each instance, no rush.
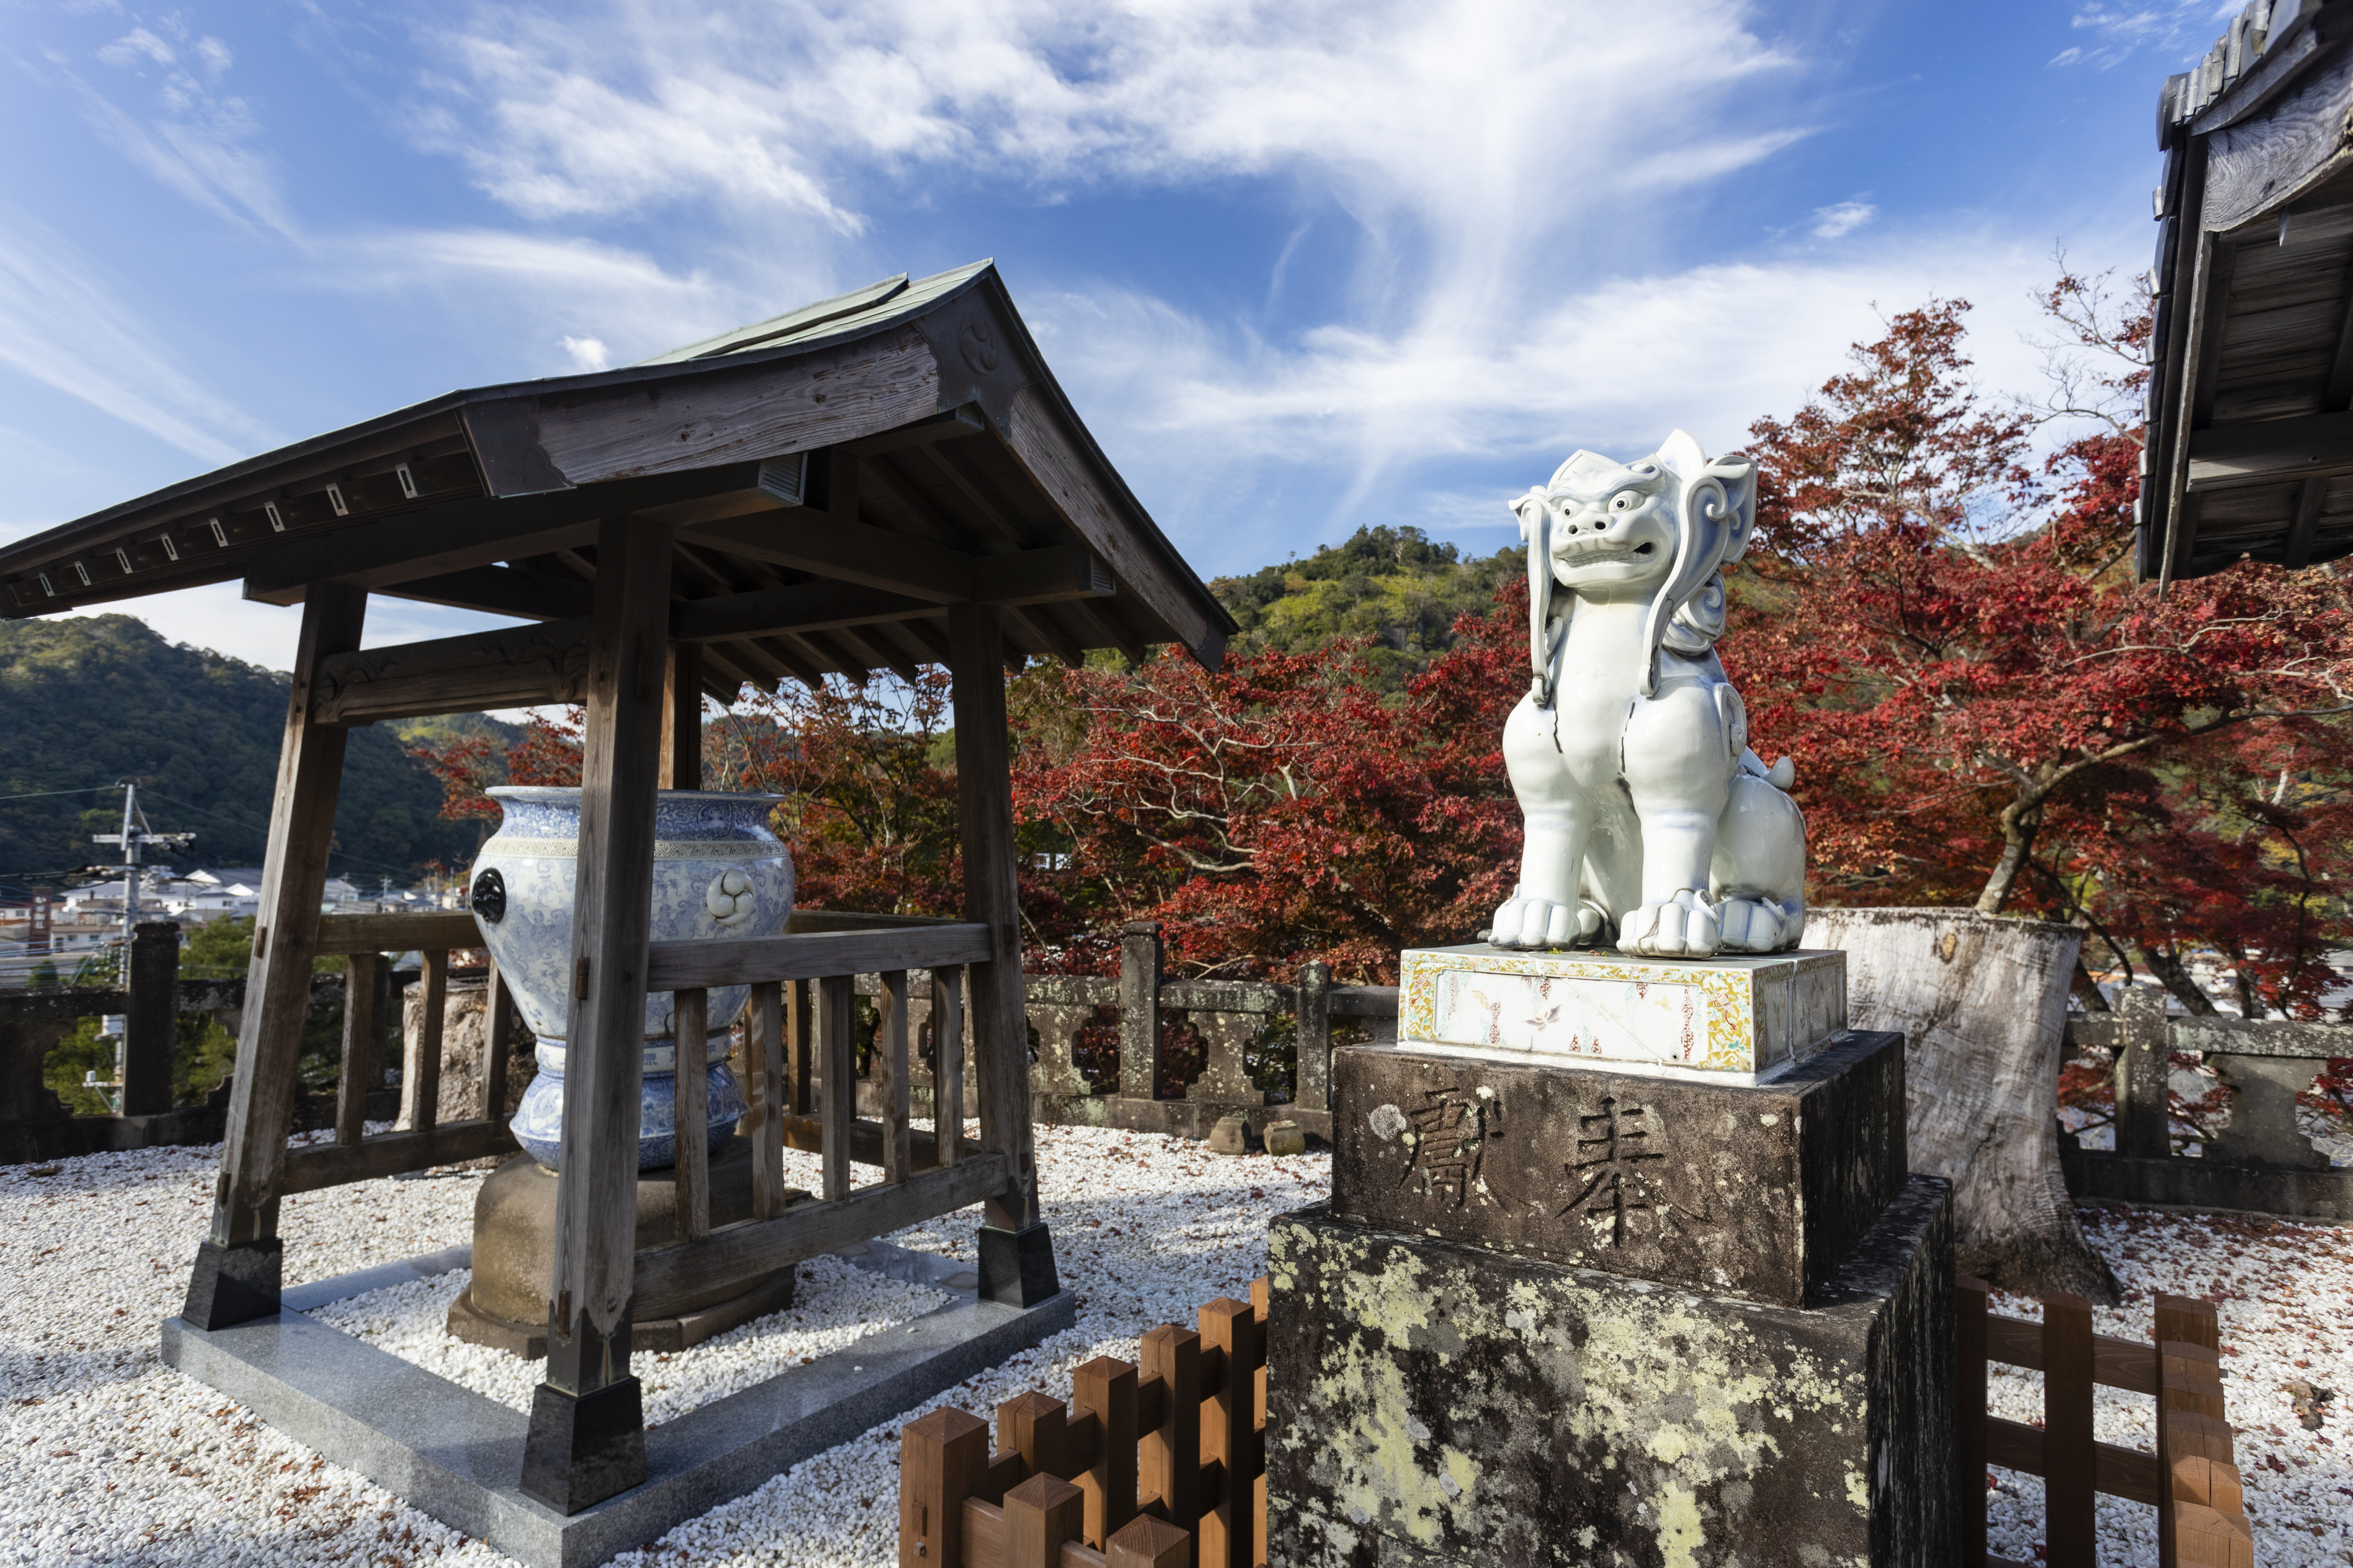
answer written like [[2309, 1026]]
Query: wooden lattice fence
[[2191, 1479], [1140, 1463]]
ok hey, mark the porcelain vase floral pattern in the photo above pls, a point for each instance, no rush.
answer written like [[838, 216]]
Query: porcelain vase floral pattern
[[718, 872]]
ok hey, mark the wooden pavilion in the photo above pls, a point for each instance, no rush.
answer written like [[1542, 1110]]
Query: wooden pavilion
[[2250, 414], [877, 481]]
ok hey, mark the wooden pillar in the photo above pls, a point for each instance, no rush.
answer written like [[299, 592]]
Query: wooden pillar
[[236, 1275], [587, 1421], [1969, 1407], [361, 1025], [681, 760], [2069, 1485], [151, 984], [1016, 1255]]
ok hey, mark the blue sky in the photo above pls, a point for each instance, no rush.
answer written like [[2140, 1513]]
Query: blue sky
[[1301, 266]]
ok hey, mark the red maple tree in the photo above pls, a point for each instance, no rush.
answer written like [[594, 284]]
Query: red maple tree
[[870, 807], [1279, 809], [1987, 709], [547, 751]]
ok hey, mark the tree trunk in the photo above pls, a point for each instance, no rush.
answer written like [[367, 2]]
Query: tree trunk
[[1981, 1004], [2018, 826], [2175, 977]]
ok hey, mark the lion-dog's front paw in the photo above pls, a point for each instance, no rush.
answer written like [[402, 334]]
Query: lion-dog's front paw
[[1682, 927], [1525, 921], [1751, 925]]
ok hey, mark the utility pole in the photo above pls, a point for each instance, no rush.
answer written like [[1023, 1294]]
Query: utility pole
[[134, 838]]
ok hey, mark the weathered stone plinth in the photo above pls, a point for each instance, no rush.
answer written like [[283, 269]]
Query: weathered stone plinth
[[1730, 1186], [505, 1305], [1430, 1403]]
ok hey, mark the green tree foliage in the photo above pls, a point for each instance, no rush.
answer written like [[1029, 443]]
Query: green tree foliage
[[86, 702], [203, 1052], [1388, 588]]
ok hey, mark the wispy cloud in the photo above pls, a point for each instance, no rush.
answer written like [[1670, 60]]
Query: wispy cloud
[[60, 325], [1348, 424], [573, 295], [196, 139], [1838, 221], [2115, 34]]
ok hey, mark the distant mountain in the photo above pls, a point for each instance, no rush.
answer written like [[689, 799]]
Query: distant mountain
[[86, 702], [1391, 585]]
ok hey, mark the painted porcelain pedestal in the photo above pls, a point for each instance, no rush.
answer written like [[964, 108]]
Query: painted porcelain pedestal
[[1733, 1019]]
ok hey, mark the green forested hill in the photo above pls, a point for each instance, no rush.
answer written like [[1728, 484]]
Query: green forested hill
[[1391, 584], [86, 702]]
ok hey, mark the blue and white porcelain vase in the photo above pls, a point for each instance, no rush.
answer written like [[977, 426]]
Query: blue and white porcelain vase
[[718, 872]]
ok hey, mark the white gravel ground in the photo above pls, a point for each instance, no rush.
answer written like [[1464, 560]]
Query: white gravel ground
[[106, 1455], [836, 1305]]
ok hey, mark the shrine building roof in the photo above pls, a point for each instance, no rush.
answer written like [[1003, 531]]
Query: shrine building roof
[[838, 477]]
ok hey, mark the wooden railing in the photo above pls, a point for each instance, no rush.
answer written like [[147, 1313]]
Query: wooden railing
[[425, 1141], [2190, 1480], [804, 997], [1142, 1462]]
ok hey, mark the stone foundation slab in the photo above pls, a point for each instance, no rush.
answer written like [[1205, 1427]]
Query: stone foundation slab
[[458, 1456], [1431, 1405]]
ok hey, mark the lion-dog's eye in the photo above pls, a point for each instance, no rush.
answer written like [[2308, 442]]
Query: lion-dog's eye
[[1624, 500]]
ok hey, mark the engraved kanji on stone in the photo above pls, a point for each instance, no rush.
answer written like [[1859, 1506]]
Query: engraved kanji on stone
[[1613, 1145], [1448, 1137]]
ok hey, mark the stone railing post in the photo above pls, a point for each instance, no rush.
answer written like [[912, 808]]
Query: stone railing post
[[151, 985], [1140, 958], [2144, 1060], [1312, 1082]]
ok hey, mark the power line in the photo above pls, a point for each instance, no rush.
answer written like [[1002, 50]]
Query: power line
[[42, 794]]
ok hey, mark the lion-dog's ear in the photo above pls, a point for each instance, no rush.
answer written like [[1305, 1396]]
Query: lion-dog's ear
[[1711, 523], [1535, 513]]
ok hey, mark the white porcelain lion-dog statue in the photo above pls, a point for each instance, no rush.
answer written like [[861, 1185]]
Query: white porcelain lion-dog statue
[[1649, 819]]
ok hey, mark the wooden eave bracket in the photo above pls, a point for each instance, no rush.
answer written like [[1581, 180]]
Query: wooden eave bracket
[[2266, 451]]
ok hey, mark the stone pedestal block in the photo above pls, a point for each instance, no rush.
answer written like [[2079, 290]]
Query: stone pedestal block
[[505, 1305], [1728, 1186], [1745, 1017], [1435, 1403]]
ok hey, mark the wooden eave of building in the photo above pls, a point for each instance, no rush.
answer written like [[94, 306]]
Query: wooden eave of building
[[835, 478], [2250, 409]]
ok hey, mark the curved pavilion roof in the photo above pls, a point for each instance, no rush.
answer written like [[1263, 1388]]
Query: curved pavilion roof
[[837, 476]]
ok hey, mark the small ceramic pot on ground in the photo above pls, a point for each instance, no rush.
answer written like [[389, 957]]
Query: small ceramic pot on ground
[[718, 872]]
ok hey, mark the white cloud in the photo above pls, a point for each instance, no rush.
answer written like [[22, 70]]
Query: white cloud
[[797, 108], [587, 353], [61, 326], [1838, 221]]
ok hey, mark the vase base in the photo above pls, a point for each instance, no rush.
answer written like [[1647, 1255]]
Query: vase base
[[505, 1306], [658, 1336]]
